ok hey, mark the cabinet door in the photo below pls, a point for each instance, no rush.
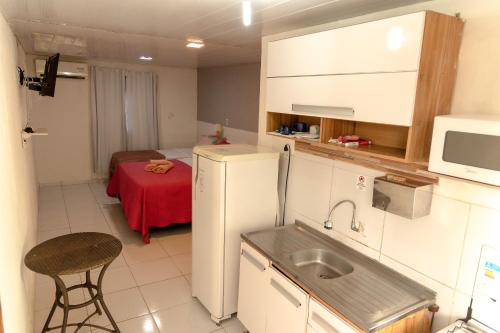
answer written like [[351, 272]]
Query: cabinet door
[[252, 289], [286, 305], [386, 98], [323, 321], [310, 329], [388, 45]]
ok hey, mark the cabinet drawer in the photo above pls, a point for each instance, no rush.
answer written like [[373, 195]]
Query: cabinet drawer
[[322, 320], [388, 45], [386, 98]]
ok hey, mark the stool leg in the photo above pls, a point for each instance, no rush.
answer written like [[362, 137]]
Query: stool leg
[[101, 298], [91, 292], [51, 313], [62, 289]]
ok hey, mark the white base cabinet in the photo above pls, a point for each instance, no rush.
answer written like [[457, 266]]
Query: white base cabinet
[[252, 291], [268, 302], [286, 305], [321, 320]]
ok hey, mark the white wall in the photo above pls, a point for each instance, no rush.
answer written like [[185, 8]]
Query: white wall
[[442, 249], [18, 200], [229, 95], [66, 154]]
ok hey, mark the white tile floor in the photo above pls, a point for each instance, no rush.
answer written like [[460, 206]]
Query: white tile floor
[[147, 288]]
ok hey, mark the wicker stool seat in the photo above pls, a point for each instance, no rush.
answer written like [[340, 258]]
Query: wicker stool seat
[[73, 254]]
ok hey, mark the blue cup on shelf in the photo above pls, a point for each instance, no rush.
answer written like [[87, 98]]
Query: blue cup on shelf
[[285, 130], [300, 127]]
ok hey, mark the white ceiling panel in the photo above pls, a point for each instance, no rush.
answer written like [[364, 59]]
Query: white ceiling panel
[[123, 30]]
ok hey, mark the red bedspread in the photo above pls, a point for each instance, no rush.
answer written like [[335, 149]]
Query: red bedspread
[[152, 200]]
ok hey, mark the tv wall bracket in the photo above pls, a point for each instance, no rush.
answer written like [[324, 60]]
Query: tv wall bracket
[[33, 83]]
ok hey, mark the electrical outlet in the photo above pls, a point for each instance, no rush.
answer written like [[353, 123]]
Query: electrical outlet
[[226, 122]]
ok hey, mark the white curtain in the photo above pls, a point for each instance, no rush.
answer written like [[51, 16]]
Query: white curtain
[[141, 117], [108, 120], [124, 113]]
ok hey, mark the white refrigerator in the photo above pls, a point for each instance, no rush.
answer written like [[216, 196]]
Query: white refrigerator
[[234, 191]]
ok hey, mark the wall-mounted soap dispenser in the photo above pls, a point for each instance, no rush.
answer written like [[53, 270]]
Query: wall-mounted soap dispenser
[[402, 196]]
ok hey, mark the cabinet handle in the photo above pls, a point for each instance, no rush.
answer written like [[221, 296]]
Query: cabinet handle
[[253, 261], [328, 110], [325, 326], [285, 293]]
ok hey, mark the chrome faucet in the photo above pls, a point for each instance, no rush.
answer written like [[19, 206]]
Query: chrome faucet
[[328, 224]]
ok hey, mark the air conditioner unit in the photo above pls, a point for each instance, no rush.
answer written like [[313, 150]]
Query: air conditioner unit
[[71, 70]]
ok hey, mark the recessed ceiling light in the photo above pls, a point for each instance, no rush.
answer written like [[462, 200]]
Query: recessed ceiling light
[[247, 12], [195, 44], [147, 58]]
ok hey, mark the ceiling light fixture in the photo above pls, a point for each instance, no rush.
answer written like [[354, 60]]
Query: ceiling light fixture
[[195, 44], [247, 13], [147, 58]]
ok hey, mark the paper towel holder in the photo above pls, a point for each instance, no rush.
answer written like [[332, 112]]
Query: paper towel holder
[[401, 196]]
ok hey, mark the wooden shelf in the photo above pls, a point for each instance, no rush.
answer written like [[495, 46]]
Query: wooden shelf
[[373, 150], [382, 162], [291, 137], [389, 142], [275, 120], [380, 157]]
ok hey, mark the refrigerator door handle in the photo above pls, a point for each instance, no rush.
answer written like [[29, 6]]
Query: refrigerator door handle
[[196, 175]]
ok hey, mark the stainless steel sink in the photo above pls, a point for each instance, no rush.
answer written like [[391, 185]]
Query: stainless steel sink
[[321, 263]]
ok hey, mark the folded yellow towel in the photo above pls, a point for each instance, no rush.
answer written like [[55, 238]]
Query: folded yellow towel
[[160, 162], [150, 167], [163, 168]]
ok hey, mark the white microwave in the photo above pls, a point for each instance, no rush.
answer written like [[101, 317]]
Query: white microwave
[[467, 146]]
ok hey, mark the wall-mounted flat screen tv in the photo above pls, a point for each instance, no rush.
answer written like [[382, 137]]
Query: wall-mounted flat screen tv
[[48, 82]]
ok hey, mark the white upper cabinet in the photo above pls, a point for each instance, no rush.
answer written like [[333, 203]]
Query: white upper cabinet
[[386, 98], [388, 45]]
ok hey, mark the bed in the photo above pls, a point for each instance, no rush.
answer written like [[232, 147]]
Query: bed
[[152, 200], [146, 155]]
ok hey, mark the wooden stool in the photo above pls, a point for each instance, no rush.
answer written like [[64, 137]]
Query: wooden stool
[[74, 254]]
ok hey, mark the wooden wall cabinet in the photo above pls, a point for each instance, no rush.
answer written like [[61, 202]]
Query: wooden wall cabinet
[[395, 91]]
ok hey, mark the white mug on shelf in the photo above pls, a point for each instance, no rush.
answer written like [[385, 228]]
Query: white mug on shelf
[[314, 129]]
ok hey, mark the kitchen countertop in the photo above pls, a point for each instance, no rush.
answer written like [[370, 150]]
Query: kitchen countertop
[[371, 297]]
